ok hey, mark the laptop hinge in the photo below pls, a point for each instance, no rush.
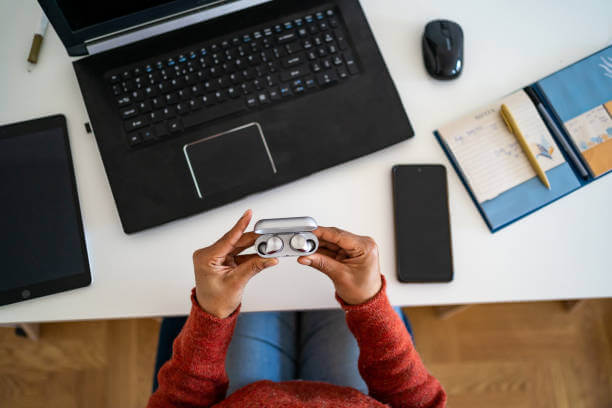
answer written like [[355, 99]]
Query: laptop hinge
[[171, 23]]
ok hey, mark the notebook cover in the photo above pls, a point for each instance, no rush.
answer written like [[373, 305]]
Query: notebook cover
[[587, 106]]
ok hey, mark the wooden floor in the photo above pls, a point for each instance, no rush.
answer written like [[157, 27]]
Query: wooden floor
[[505, 355]]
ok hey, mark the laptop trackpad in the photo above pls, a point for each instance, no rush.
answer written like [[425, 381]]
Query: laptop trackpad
[[229, 159]]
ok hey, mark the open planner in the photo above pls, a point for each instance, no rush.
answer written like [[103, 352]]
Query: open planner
[[566, 121]]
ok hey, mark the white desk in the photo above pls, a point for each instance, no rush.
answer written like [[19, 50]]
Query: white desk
[[561, 252]]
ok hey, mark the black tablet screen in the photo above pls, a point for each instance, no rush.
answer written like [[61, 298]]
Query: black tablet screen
[[39, 217]]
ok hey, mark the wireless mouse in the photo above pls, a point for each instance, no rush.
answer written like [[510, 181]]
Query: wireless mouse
[[443, 49]]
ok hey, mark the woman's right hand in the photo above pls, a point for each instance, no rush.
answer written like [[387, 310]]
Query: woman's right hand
[[350, 261]]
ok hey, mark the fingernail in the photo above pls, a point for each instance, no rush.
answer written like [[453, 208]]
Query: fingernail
[[245, 213], [270, 262], [306, 261]]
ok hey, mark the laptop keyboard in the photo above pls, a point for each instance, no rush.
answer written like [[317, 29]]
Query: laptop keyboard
[[163, 96]]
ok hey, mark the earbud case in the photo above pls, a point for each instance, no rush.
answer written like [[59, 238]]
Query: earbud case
[[286, 237]]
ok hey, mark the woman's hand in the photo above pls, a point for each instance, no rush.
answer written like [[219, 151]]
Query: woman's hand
[[351, 262], [221, 274]]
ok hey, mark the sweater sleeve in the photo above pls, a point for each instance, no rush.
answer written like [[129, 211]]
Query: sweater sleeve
[[388, 361], [195, 375]]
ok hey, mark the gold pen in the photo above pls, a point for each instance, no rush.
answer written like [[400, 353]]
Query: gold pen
[[514, 129]]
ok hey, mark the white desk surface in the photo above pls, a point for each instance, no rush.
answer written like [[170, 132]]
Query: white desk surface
[[560, 252]]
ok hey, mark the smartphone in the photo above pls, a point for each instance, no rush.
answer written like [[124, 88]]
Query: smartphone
[[422, 223]]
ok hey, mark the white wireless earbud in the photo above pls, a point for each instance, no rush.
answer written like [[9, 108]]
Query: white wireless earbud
[[301, 244], [271, 246]]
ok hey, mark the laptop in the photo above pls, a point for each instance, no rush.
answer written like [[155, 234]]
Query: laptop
[[195, 104]]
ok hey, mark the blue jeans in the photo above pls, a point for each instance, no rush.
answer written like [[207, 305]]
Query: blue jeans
[[281, 346]]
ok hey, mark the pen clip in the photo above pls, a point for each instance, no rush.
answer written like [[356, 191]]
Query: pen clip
[[503, 115]]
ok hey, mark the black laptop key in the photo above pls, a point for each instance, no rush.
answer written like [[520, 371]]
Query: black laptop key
[[128, 112], [214, 112], [167, 112], [184, 93], [245, 88], [171, 98], [286, 38], [223, 82], [162, 87], [263, 97], [134, 139], [147, 135], [310, 83], [294, 73], [209, 86], [342, 73], [194, 104], [161, 130], [137, 95], [150, 91], [220, 96], [114, 78], [350, 64], [135, 123], [327, 78], [248, 73], [155, 116], [261, 70], [157, 102], [144, 106], [123, 101], [190, 79], [182, 108], [233, 92], [292, 61], [207, 100], [251, 101], [175, 125], [177, 83], [294, 47], [275, 94], [285, 91], [253, 59]]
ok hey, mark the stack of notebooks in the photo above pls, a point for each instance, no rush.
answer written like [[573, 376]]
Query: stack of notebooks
[[566, 121]]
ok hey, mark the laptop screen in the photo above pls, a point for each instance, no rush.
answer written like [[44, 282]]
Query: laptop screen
[[80, 23], [81, 14]]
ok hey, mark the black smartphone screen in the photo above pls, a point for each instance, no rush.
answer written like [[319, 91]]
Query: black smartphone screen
[[422, 224]]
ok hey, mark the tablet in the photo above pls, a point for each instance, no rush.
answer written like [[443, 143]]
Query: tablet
[[43, 247]]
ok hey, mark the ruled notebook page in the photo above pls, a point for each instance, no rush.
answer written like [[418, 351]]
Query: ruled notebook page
[[489, 155]]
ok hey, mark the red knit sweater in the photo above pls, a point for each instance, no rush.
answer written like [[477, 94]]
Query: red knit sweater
[[388, 363]]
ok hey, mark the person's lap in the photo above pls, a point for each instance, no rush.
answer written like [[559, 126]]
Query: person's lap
[[263, 347], [282, 346]]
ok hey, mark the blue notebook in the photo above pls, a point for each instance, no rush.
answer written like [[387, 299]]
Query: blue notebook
[[567, 121]]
